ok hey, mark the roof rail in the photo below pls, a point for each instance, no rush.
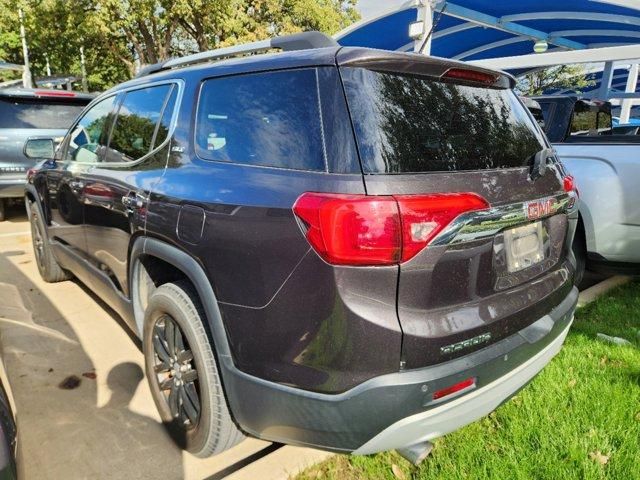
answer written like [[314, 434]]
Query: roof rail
[[287, 43]]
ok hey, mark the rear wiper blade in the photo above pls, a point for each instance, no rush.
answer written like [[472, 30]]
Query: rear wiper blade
[[539, 163]]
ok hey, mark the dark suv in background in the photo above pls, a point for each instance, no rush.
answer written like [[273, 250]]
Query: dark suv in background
[[351, 249], [31, 114]]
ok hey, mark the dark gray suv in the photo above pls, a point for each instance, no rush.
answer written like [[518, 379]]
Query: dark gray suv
[[351, 249], [38, 114]]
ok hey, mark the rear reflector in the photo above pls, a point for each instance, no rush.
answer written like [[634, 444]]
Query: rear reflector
[[470, 76], [378, 230], [458, 387]]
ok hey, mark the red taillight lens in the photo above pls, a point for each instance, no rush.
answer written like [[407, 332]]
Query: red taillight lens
[[569, 184], [378, 230], [55, 93], [470, 76], [424, 216], [351, 229], [458, 387]]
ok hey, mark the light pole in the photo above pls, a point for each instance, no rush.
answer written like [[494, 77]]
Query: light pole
[[83, 67], [26, 73]]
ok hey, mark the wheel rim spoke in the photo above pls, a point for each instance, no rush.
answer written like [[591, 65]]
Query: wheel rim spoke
[[190, 407], [161, 367], [174, 397], [190, 376], [185, 356], [167, 383], [170, 336], [159, 345]]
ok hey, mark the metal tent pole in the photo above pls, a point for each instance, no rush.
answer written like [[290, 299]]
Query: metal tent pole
[[425, 15], [632, 82], [605, 83]]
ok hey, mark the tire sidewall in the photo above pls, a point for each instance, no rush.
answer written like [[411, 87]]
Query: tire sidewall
[[161, 303], [36, 224]]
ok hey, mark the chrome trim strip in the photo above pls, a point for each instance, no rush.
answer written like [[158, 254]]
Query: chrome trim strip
[[486, 223]]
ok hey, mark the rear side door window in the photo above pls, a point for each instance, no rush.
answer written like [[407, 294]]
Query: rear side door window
[[267, 119], [84, 141], [137, 123]]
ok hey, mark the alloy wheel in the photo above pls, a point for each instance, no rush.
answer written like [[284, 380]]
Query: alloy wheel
[[176, 373]]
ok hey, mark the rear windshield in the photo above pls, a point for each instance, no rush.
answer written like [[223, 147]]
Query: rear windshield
[[411, 124], [24, 113]]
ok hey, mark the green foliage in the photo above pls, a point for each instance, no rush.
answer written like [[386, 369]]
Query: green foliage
[[561, 77], [118, 34]]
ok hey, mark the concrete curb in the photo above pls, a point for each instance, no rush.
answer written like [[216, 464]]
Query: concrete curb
[[596, 291]]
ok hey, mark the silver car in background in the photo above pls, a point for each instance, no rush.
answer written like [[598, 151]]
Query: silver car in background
[[605, 163]]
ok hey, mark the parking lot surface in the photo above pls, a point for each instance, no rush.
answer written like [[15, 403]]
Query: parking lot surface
[[84, 408]]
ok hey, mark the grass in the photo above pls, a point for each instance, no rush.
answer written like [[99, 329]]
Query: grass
[[579, 419]]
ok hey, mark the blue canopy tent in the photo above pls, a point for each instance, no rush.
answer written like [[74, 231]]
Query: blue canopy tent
[[478, 29], [473, 30]]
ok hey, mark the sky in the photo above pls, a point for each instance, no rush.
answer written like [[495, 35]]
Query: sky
[[369, 8]]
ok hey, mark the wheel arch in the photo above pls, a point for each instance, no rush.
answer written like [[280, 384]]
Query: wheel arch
[[193, 271]]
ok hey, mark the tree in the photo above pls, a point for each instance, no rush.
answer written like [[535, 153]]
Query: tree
[[119, 35], [562, 77]]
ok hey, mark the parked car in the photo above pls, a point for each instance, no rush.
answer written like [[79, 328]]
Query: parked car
[[606, 167], [10, 466], [345, 248], [30, 114]]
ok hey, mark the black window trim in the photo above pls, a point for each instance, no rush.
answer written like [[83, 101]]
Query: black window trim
[[176, 83], [194, 122]]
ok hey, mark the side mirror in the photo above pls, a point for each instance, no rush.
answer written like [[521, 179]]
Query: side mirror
[[39, 148]]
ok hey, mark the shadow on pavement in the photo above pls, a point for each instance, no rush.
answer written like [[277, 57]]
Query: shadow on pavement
[[62, 432]]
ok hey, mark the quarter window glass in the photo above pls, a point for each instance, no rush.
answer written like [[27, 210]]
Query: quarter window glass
[[165, 122], [133, 132], [268, 119], [90, 133]]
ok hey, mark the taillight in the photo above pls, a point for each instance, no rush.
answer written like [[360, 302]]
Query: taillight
[[351, 229], [378, 230], [424, 216], [470, 76], [569, 184], [55, 93]]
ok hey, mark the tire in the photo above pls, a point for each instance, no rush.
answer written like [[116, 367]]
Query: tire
[[48, 266], [175, 307], [3, 207], [579, 248]]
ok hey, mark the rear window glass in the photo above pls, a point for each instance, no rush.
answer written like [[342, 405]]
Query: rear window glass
[[590, 120], [268, 119], [24, 113], [413, 124]]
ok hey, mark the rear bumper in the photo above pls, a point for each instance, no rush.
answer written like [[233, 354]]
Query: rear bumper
[[397, 410], [464, 410], [12, 187]]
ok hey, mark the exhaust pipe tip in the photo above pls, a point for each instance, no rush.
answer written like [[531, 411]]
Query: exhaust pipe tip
[[416, 453]]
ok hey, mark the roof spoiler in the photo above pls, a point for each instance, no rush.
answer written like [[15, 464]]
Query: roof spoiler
[[287, 43]]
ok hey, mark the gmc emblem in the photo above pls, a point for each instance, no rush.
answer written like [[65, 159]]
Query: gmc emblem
[[540, 208]]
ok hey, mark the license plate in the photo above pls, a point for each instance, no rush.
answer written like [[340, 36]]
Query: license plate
[[524, 246]]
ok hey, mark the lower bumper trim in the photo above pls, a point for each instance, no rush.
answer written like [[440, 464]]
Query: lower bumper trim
[[438, 421]]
